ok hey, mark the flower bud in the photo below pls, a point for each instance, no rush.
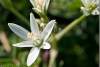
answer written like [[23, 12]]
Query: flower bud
[[40, 6]]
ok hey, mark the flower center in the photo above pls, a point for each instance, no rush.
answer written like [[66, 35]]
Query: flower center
[[91, 7], [37, 41]]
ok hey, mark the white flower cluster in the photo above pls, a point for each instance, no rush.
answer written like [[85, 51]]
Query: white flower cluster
[[90, 7], [35, 39]]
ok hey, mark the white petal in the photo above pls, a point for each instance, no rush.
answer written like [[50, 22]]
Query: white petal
[[97, 2], [33, 3], [32, 56], [47, 4], [85, 11], [18, 30], [24, 44], [46, 45], [94, 1], [37, 10], [47, 30], [84, 2], [96, 12], [33, 24]]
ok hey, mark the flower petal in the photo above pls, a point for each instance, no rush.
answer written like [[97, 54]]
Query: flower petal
[[47, 4], [86, 2], [24, 44], [46, 45], [96, 12], [85, 11], [94, 1], [97, 2], [32, 56], [47, 30], [33, 24], [33, 2], [18, 30]]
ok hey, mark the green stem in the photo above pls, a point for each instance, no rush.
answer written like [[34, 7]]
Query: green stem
[[21, 17], [69, 27]]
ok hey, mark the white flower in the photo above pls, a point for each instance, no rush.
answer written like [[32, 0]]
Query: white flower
[[35, 39], [40, 5], [90, 7]]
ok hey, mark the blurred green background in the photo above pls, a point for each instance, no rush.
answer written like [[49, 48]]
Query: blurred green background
[[78, 48]]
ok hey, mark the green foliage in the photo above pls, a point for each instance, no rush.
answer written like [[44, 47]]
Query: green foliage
[[65, 8]]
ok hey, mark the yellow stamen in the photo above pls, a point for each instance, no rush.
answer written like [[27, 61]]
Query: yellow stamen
[[30, 35]]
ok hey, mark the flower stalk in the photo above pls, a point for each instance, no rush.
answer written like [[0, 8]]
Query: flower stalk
[[59, 35]]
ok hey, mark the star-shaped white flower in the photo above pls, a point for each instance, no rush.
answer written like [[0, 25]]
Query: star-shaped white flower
[[40, 5], [35, 39], [90, 7]]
